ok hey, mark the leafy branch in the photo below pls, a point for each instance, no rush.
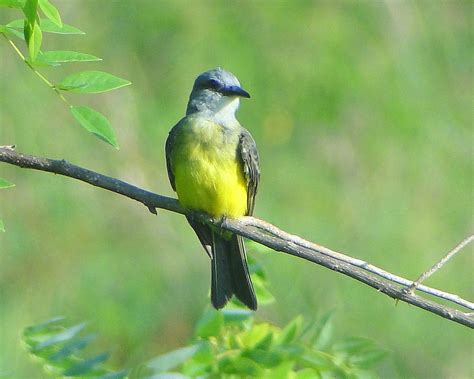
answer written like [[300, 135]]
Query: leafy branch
[[58, 349], [263, 233], [229, 343], [30, 29]]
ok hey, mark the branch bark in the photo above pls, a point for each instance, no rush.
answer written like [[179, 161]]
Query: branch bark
[[263, 233]]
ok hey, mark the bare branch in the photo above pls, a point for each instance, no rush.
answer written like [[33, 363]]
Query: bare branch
[[440, 264], [261, 232], [359, 263]]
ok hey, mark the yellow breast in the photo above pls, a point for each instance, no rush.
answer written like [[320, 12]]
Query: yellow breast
[[208, 173]]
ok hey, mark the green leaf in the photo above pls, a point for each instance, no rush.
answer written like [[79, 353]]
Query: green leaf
[[5, 184], [324, 332], [282, 371], [71, 347], [96, 123], [11, 32], [210, 324], [318, 360], [34, 41], [92, 82], [168, 375], [56, 348], [2, 227], [31, 11], [65, 335], [115, 375], [368, 359], [352, 345], [236, 315], [47, 26], [29, 331], [50, 27], [264, 357], [41, 63], [86, 366], [170, 360], [260, 335], [16, 24], [12, 3], [204, 356], [201, 362], [65, 56], [266, 341], [264, 296], [291, 331], [307, 373], [51, 12], [291, 351], [360, 352], [242, 366]]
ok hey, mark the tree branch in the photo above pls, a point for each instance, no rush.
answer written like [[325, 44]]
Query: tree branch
[[441, 263], [261, 232]]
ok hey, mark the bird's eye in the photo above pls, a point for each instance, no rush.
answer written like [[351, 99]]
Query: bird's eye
[[212, 83]]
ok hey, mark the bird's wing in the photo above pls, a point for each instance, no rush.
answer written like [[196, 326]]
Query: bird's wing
[[168, 149], [247, 151]]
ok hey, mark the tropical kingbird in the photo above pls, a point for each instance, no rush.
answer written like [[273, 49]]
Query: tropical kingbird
[[213, 166]]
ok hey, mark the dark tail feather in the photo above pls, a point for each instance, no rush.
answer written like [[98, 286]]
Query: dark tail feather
[[221, 275], [230, 273], [243, 287]]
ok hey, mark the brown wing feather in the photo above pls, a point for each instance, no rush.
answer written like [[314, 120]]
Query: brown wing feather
[[168, 150], [247, 150]]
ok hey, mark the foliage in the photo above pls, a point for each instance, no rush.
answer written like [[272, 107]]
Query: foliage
[[226, 343], [30, 30], [57, 347], [230, 343]]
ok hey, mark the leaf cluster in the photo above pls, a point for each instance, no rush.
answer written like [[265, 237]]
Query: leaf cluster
[[58, 349], [229, 343], [41, 16]]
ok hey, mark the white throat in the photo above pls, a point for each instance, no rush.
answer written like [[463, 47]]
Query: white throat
[[225, 110]]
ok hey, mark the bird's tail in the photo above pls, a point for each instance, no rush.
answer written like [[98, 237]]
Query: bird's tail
[[230, 274]]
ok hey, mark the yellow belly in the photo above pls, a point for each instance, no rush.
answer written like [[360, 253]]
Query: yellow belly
[[208, 174]]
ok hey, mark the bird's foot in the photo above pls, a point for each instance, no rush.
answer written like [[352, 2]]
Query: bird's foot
[[219, 221]]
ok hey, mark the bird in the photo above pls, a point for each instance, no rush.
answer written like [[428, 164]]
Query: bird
[[213, 166]]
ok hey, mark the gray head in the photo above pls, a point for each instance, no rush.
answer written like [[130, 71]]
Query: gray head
[[216, 91]]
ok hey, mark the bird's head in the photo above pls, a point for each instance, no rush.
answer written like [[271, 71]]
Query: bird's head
[[216, 91]]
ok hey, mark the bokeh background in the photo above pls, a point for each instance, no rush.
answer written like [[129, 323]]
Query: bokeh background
[[362, 113]]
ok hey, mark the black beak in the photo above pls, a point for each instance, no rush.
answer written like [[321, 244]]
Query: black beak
[[234, 91]]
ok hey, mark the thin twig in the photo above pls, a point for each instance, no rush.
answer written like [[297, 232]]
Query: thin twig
[[268, 228], [39, 74], [440, 264], [252, 228]]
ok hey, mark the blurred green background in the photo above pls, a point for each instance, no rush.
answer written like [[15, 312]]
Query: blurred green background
[[362, 113]]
